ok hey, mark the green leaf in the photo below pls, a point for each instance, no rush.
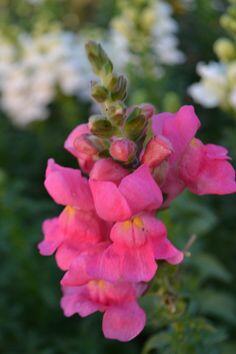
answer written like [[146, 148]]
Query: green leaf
[[157, 341], [210, 267]]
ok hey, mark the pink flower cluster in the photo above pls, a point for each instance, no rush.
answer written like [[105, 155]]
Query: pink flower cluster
[[107, 239]]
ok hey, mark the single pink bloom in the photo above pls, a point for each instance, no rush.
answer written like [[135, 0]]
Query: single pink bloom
[[136, 192], [86, 160], [78, 226], [201, 168], [205, 169], [137, 243], [123, 318], [122, 149]]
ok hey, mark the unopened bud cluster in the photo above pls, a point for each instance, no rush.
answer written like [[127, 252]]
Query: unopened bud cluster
[[119, 129]]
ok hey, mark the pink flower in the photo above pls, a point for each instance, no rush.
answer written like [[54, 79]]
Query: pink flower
[[123, 319], [78, 226], [203, 169], [122, 149], [73, 144], [137, 243], [135, 193]]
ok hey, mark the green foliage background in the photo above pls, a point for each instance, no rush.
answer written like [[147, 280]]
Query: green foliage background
[[190, 309]]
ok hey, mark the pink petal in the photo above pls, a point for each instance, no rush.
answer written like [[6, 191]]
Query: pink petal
[[77, 274], [53, 237], [108, 170], [123, 322], [67, 186], [141, 191], [69, 143], [104, 264], [156, 151], [110, 204], [127, 234], [216, 177], [74, 301], [133, 264], [166, 251], [65, 256], [205, 169], [216, 152], [81, 226]]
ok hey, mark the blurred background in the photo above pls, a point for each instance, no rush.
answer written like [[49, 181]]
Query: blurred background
[[173, 52]]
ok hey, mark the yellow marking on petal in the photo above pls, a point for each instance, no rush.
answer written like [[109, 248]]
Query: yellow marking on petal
[[101, 284], [138, 222], [70, 210], [127, 225], [194, 142]]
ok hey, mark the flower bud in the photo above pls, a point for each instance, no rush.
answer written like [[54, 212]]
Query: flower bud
[[99, 93], [98, 58], [100, 126], [156, 151], [225, 49], [116, 113], [135, 124], [120, 90], [123, 149], [148, 109], [88, 144]]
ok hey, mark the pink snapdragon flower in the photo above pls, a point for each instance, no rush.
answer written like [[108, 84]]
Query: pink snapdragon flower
[[138, 237], [78, 226], [203, 169], [123, 318], [136, 244]]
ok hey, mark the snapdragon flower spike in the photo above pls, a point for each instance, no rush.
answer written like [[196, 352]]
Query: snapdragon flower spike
[[136, 244], [135, 193], [203, 169], [78, 226], [123, 318]]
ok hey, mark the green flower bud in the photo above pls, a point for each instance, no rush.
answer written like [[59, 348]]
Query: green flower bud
[[99, 92], [116, 113], [111, 82], [225, 49], [100, 126], [120, 90], [98, 58], [135, 124]]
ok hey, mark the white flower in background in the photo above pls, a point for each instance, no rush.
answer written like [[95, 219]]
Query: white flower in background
[[165, 42], [29, 77], [35, 2], [217, 86], [154, 30]]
